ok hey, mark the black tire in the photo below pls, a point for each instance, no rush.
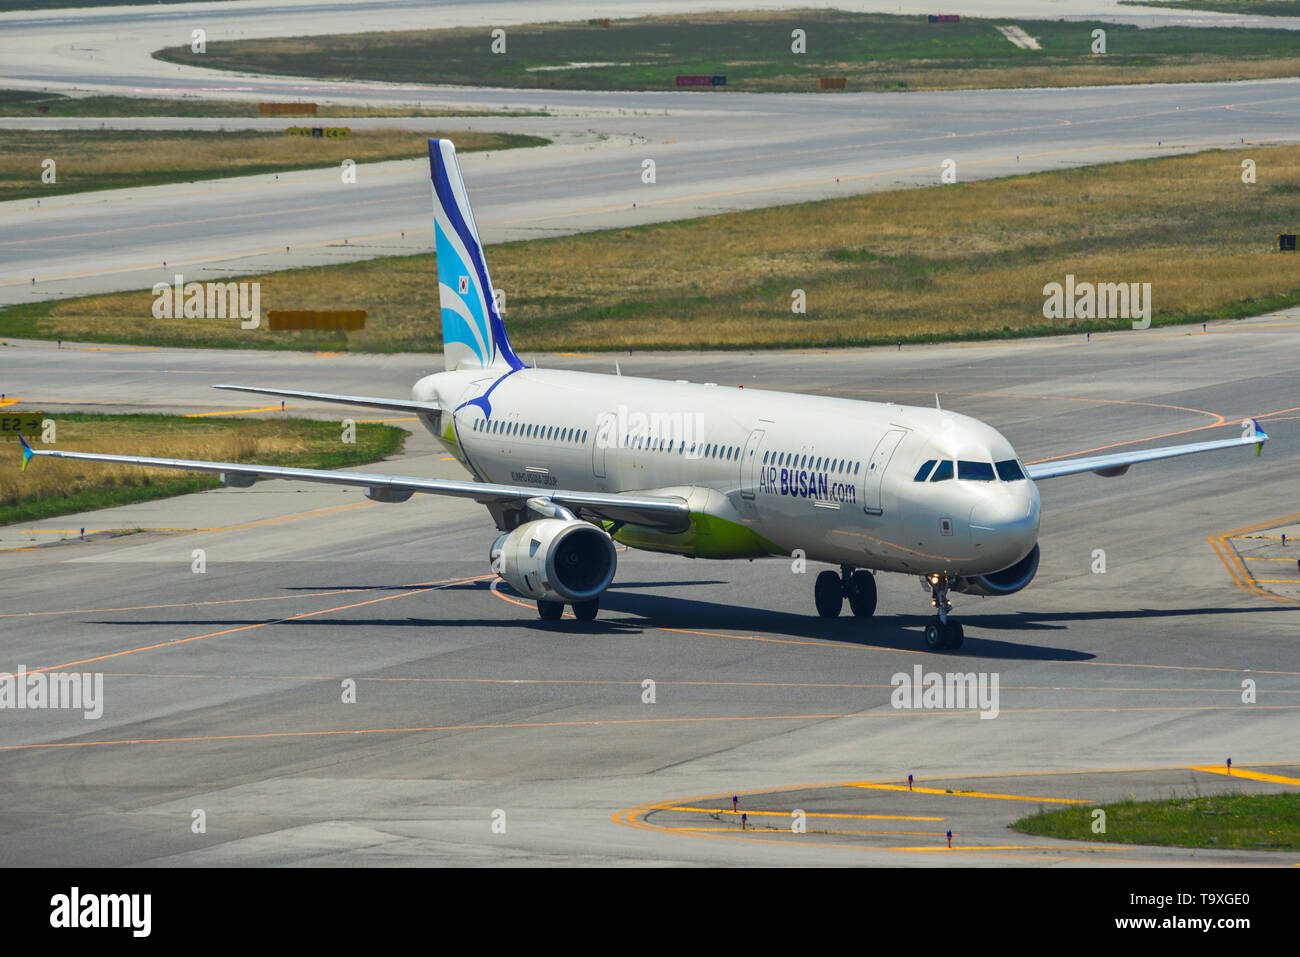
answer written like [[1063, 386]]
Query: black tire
[[550, 610], [862, 594], [828, 594], [955, 635], [934, 636], [586, 610]]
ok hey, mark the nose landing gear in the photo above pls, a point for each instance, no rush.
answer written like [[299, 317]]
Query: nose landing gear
[[943, 633]]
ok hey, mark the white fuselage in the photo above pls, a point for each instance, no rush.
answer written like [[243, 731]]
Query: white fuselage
[[765, 473]]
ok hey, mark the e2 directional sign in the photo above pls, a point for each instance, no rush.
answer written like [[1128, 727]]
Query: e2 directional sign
[[12, 424]]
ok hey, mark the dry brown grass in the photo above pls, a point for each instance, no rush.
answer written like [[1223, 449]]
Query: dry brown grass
[[283, 441], [942, 261], [103, 159], [200, 439], [917, 75]]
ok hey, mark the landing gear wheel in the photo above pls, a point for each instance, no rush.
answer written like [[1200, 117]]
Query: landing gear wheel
[[586, 610], [828, 593], [550, 610], [934, 636], [955, 635], [862, 594]]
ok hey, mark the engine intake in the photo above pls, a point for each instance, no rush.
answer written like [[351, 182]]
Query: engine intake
[[557, 559], [1008, 581]]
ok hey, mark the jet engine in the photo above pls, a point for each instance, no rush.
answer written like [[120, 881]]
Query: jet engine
[[1008, 581], [556, 559]]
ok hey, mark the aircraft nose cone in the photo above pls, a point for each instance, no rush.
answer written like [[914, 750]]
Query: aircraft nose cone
[[1005, 528]]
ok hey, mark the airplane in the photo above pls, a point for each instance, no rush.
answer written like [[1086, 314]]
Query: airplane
[[570, 463]]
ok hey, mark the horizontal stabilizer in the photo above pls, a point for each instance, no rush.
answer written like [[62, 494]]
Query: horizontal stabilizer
[[370, 402]]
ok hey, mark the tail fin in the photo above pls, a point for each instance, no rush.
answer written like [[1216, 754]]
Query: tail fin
[[473, 334]]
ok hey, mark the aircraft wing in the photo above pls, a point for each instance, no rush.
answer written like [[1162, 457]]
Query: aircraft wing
[[667, 513], [395, 405], [1118, 463]]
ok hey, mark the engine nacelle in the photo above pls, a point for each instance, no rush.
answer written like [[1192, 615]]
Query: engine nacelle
[[1008, 581], [557, 559]]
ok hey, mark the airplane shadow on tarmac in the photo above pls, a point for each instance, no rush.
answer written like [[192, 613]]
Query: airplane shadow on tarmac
[[655, 611]]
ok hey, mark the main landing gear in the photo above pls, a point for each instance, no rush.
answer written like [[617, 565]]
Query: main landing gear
[[553, 610], [943, 633], [859, 587]]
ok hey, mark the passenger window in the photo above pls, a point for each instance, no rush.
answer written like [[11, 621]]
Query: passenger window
[[975, 471], [1010, 471], [924, 471], [942, 472]]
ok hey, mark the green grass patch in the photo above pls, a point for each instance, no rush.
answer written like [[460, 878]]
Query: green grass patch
[[30, 103], [86, 160], [1253, 822], [52, 487], [754, 51], [959, 262]]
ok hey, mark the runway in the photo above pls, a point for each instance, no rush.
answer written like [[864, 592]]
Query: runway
[[223, 691], [712, 153]]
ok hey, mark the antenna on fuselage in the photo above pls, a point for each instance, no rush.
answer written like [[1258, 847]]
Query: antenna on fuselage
[[617, 370], [936, 402]]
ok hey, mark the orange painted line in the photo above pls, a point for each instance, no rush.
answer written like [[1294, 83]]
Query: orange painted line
[[232, 631], [269, 408], [264, 735], [827, 830], [204, 222], [606, 682], [234, 528], [267, 735], [185, 604], [4, 402], [973, 847], [1237, 568], [974, 794], [862, 817], [629, 818], [1251, 775]]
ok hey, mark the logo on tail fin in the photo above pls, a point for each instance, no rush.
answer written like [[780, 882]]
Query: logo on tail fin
[[473, 334]]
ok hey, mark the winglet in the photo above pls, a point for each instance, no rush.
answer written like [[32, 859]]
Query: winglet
[[1261, 437], [28, 454]]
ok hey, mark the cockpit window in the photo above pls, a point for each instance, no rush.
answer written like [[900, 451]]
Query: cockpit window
[[975, 471], [924, 471], [1010, 471], [942, 472]]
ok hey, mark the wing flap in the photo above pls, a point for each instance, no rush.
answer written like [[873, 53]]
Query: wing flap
[[666, 513]]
